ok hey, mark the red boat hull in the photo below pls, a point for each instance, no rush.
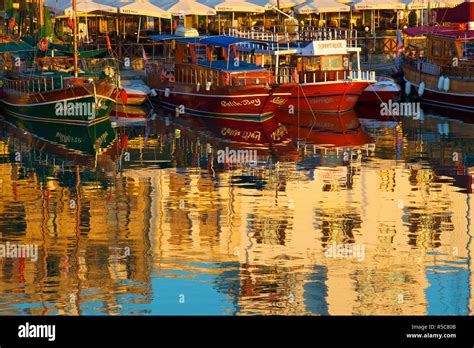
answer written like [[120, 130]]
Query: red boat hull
[[246, 103], [330, 97]]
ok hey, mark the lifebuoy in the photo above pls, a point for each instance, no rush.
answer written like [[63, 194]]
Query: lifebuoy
[[171, 77], [43, 44]]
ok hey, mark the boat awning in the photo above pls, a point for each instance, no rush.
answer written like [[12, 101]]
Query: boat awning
[[462, 13], [14, 47], [218, 41], [321, 6], [440, 30], [222, 41]]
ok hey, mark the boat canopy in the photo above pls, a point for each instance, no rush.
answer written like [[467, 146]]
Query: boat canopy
[[440, 30], [15, 47], [462, 13], [217, 41]]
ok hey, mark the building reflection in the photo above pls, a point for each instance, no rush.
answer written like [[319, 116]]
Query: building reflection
[[171, 231]]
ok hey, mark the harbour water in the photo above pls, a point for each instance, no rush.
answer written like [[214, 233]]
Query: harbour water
[[155, 224]]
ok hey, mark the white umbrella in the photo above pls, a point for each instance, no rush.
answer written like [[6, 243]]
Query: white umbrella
[[269, 4], [86, 6], [235, 6], [378, 5], [445, 3], [186, 8], [321, 6], [142, 8]]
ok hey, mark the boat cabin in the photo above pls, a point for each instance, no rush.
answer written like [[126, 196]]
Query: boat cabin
[[310, 62], [205, 61]]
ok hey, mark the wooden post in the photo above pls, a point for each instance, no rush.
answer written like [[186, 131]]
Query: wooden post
[[74, 31]]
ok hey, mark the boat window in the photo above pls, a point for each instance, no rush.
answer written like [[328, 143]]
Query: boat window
[[311, 64], [331, 63], [437, 48], [469, 50]]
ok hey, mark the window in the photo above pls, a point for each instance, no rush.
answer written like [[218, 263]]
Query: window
[[311, 64], [437, 48], [332, 63]]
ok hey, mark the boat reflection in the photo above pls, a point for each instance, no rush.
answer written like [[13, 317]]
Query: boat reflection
[[76, 144]]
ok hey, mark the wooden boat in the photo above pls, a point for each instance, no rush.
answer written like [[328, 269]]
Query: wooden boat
[[440, 68], [319, 64], [205, 77], [56, 91]]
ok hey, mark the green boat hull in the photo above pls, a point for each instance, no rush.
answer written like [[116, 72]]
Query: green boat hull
[[85, 110]]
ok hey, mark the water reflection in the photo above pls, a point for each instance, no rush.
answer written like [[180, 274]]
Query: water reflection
[[332, 218]]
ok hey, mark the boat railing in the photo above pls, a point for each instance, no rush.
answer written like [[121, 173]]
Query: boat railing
[[205, 77], [290, 75], [266, 36], [302, 34], [33, 84], [458, 72], [322, 34]]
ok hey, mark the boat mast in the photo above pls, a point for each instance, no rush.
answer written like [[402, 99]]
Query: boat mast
[[40, 15], [74, 34]]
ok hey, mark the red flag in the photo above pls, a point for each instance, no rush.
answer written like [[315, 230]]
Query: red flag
[[70, 24], [11, 24], [107, 42]]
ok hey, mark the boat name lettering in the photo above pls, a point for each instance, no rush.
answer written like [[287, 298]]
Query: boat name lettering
[[279, 133], [325, 45], [245, 102], [278, 101], [255, 135], [63, 138]]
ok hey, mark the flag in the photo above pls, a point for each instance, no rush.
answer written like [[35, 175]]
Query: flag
[[400, 45]]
